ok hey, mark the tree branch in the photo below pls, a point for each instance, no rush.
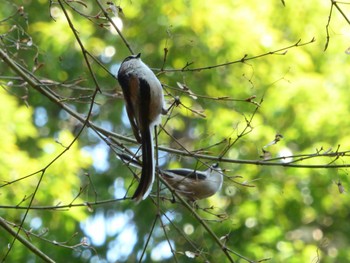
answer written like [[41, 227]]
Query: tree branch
[[25, 242]]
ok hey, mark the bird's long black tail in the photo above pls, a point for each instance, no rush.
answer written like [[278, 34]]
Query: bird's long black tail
[[147, 175]]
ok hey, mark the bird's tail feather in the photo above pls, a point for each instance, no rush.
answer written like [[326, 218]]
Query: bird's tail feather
[[147, 175]]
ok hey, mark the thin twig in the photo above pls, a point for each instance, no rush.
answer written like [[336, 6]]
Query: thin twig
[[115, 26], [327, 27], [247, 129], [245, 58], [335, 3], [24, 241]]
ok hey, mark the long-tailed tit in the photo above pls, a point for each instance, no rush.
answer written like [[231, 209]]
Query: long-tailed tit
[[144, 99], [192, 184]]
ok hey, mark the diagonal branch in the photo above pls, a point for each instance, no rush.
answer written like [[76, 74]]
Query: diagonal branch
[[25, 242], [245, 58]]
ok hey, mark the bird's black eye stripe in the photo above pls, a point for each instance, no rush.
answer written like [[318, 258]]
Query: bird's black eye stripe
[[132, 57], [128, 58], [215, 165]]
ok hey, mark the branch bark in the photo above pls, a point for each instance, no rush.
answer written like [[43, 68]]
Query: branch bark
[[25, 242]]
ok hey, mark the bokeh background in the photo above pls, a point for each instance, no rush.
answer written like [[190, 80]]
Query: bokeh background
[[253, 70]]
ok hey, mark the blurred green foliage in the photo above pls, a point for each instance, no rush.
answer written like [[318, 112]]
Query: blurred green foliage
[[290, 215]]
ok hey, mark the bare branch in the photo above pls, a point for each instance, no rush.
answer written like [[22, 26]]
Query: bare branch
[[24, 241], [245, 58]]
